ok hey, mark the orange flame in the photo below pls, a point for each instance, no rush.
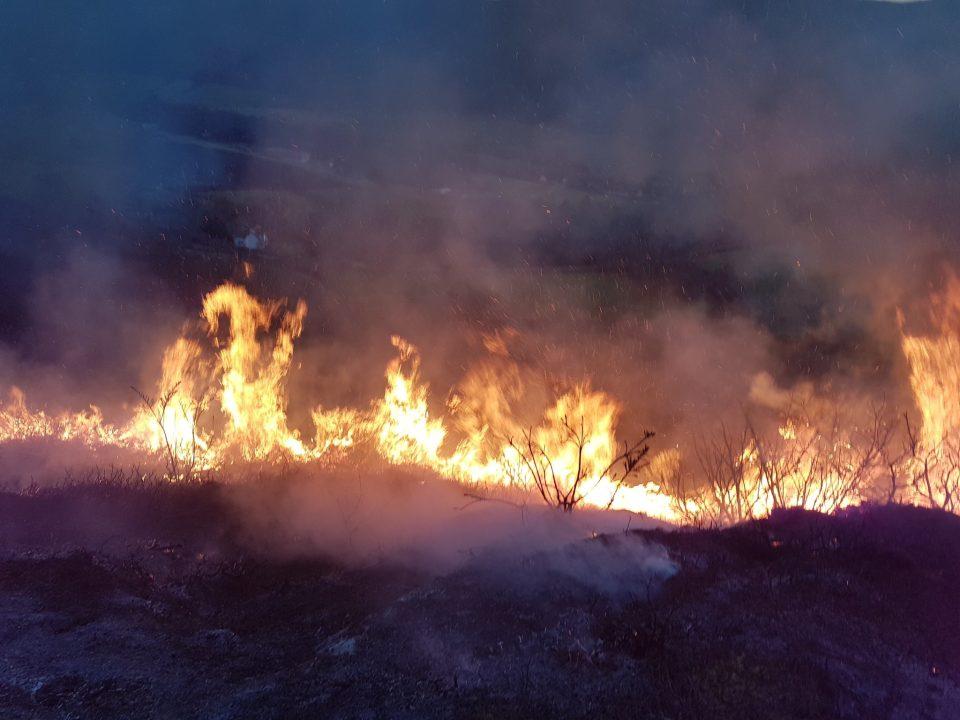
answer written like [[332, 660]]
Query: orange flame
[[482, 435], [935, 366], [252, 378]]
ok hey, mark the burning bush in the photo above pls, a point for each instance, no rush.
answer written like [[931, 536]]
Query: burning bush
[[221, 399]]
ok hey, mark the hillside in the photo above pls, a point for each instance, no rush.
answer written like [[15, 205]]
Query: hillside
[[156, 602]]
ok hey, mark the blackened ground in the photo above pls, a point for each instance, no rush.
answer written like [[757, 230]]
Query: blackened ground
[[152, 602]]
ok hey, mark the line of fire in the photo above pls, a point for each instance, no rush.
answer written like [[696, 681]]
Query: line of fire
[[480, 360]]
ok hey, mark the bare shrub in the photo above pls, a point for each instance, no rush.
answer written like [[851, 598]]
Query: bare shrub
[[925, 471], [818, 462], [730, 482], [566, 487], [821, 462], [182, 456]]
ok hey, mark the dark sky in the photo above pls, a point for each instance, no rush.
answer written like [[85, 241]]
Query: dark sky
[[821, 136], [687, 85]]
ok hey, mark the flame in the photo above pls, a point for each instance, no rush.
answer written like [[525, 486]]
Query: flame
[[934, 362], [222, 398], [170, 421], [18, 422], [406, 434], [250, 368], [933, 461], [398, 427], [252, 378], [574, 441]]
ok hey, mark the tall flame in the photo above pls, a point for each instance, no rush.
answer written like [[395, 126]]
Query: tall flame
[[252, 378], [935, 366], [228, 403], [405, 431]]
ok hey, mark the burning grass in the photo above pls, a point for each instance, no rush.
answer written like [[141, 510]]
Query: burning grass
[[221, 404]]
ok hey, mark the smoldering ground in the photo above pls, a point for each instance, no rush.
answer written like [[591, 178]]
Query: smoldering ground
[[415, 519], [743, 624]]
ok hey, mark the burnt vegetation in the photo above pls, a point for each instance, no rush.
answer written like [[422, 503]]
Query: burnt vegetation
[[801, 615], [566, 488]]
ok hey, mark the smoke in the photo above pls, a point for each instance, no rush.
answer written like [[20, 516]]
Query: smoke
[[397, 519], [672, 200], [421, 521], [94, 324]]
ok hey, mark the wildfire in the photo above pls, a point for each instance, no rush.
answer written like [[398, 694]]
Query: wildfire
[[222, 398], [252, 377], [171, 422], [935, 366], [18, 422], [933, 460]]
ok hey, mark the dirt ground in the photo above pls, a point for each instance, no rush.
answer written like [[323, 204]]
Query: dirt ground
[[150, 602]]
